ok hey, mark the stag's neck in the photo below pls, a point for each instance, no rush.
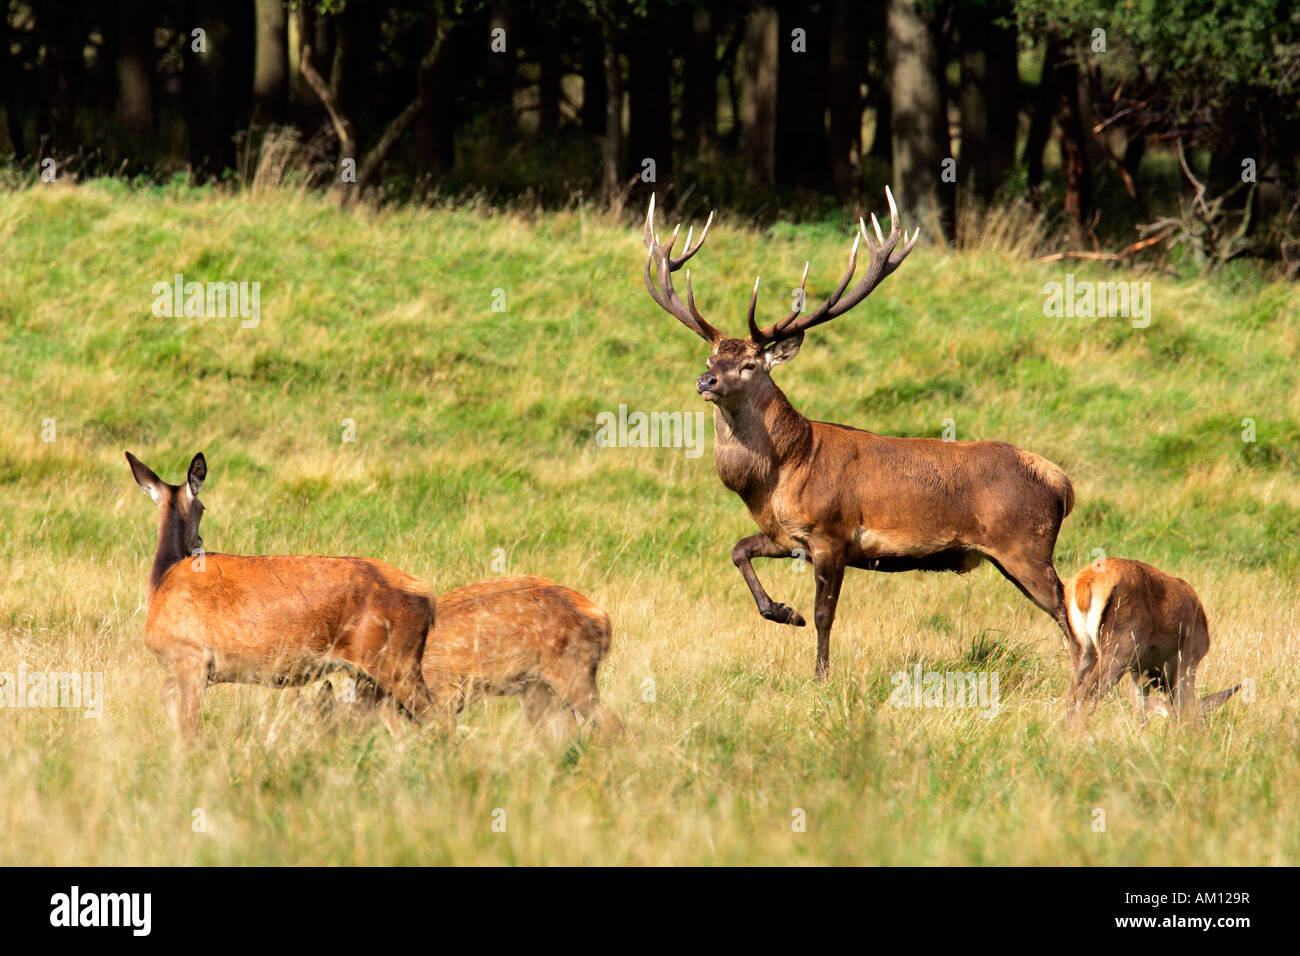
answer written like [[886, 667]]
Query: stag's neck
[[171, 548], [755, 438]]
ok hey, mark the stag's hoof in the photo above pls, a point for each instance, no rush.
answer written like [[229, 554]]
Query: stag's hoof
[[784, 614]]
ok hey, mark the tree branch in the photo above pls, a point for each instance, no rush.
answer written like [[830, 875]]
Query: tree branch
[[342, 126]]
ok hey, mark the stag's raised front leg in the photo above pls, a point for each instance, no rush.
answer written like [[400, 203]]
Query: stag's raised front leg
[[761, 546], [830, 575]]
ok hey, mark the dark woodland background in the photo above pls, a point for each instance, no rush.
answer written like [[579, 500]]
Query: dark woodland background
[[1132, 126]]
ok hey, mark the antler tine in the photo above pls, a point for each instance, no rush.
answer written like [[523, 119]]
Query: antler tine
[[672, 241], [690, 302], [787, 326], [886, 256], [755, 332], [898, 255], [691, 250], [664, 294], [762, 336]]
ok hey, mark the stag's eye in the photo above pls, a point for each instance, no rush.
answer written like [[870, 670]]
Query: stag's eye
[[748, 367]]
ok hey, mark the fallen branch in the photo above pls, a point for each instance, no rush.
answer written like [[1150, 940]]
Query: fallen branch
[[1110, 256]]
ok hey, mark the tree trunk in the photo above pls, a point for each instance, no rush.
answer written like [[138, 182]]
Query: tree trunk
[[612, 146], [990, 90], [759, 59], [882, 138], [500, 75], [1040, 124], [271, 67], [919, 129], [352, 76], [802, 157], [976, 172], [1003, 97], [844, 87], [435, 127], [700, 96], [550, 77], [649, 98], [62, 32], [1074, 155], [593, 80], [9, 74], [135, 63], [209, 92]]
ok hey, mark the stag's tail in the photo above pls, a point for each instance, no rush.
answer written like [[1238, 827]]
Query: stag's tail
[[1211, 701]]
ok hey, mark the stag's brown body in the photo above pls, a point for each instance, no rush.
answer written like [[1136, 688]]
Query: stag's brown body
[[893, 504], [840, 497], [1127, 617], [275, 620], [523, 636]]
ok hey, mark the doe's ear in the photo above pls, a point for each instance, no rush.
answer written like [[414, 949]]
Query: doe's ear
[[145, 478], [198, 472], [783, 350]]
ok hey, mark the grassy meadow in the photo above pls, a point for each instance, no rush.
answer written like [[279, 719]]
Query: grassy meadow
[[475, 450]]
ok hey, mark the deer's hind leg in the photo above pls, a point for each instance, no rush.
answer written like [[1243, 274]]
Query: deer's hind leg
[[1111, 669], [1141, 691], [546, 710], [574, 693], [583, 699]]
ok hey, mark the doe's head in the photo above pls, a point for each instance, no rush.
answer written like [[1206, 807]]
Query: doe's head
[[179, 507]]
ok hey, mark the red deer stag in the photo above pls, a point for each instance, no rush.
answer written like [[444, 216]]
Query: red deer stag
[[283, 620], [842, 497], [1131, 618]]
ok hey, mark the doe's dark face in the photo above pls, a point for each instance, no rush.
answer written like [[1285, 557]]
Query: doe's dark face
[[192, 510], [177, 504], [736, 367]]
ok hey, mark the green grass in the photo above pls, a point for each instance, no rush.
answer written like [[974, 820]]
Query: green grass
[[475, 432]]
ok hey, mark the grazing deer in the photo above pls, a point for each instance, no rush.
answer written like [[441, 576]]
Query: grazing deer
[[841, 497], [1128, 617], [283, 620], [520, 636]]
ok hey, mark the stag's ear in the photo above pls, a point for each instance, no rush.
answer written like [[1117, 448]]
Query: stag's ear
[[783, 350], [145, 478], [198, 471]]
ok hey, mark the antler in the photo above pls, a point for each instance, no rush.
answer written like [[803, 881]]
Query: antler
[[886, 256], [666, 296]]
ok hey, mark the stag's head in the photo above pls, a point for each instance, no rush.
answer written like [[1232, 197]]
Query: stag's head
[[179, 508], [737, 368]]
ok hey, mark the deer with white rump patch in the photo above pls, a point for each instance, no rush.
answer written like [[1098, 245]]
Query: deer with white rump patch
[[842, 497], [1127, 617], [277, 620]]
